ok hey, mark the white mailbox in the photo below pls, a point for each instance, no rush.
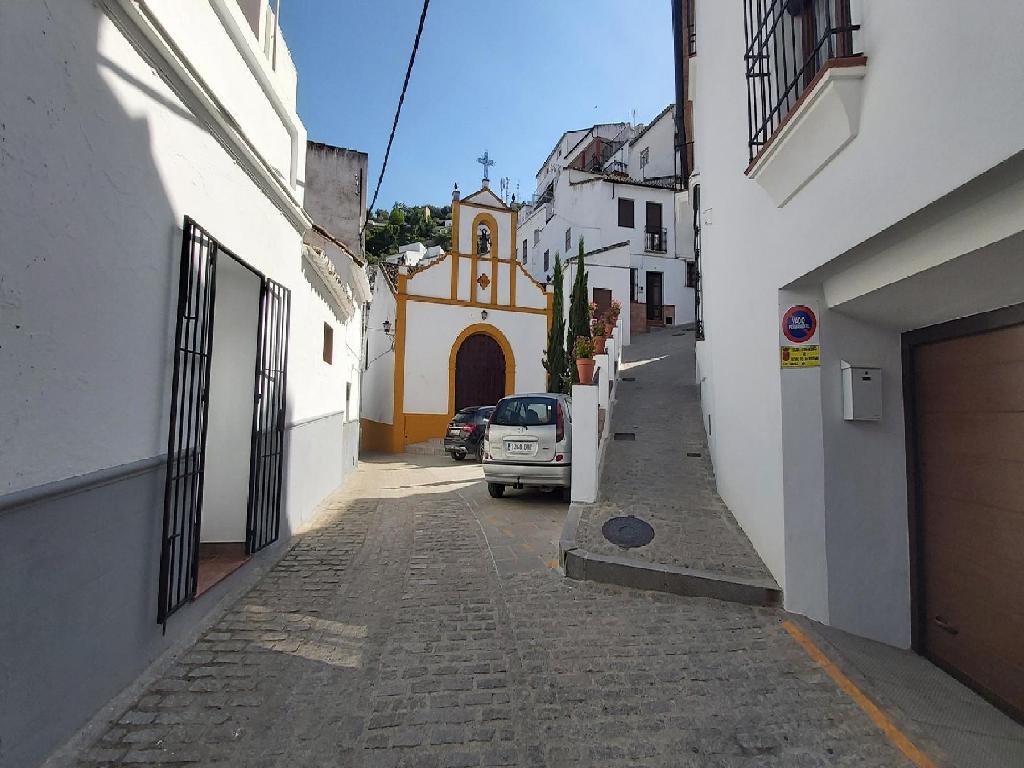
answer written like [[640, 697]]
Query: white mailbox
[[862, 393]]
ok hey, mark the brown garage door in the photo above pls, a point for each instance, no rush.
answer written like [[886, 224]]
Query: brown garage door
[[969, 397]]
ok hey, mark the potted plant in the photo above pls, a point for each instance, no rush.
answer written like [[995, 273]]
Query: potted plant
[[585, 359], [599, 330], [616, 311]]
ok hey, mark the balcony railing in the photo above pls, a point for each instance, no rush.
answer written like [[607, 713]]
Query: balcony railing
[[691, 28], [788, 43], [656, 240]]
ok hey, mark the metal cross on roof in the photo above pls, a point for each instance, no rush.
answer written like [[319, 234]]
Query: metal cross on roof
[[486, 162]]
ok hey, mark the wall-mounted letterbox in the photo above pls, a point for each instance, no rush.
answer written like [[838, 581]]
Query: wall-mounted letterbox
[[862, 392]]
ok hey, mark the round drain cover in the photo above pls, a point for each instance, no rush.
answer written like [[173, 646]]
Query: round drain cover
[[627, 532]]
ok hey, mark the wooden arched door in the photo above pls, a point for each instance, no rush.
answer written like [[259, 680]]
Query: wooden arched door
[[479, 372]]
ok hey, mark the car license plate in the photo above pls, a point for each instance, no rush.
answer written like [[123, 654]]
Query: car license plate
[[525, 449], [454, 432]]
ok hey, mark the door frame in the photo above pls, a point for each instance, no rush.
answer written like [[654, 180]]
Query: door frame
[[973, 325], [191, 230], [660, 318]]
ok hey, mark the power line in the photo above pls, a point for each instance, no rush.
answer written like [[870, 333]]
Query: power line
[[398, 111]]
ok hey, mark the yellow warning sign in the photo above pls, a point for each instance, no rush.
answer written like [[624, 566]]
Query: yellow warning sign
[[801, 357]]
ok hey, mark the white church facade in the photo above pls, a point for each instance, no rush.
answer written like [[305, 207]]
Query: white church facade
[[462, 330]]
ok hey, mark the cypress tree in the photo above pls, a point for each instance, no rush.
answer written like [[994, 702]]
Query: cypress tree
[[579, 311], [555, 361]]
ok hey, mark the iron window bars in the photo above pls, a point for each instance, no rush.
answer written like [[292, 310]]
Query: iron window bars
[[189, 415], [698, 282], [788, 43], [656, 240], [691, 27]]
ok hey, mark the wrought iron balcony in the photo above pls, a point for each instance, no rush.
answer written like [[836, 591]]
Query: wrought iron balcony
[[656, 240], [788, 43], [691, 28]]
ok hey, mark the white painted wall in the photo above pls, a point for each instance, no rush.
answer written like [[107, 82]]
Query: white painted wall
[[820, 498], [378, 403], [232, 379], [659, 140], [585, 450], [431, 330], [102, 161]]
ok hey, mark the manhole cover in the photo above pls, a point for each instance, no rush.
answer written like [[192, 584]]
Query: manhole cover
[[627, 532], [624, 436]]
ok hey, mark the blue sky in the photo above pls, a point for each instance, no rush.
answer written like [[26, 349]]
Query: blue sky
[[507, 77]]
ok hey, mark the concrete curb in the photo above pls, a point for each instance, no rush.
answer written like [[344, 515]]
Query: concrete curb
[[582, 565]]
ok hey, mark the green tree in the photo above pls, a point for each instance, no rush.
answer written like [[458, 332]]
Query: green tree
[[579, 308], [555, 360], [442, 237], [397, 216]]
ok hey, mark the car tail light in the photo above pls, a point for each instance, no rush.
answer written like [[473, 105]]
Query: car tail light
[[559, 424], [467, 428], [559, 457]]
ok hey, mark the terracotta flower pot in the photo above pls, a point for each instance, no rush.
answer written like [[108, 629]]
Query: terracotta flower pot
[[599, 344], [585, 368]]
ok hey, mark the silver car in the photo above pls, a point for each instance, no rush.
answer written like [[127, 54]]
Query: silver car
[[529, 443]]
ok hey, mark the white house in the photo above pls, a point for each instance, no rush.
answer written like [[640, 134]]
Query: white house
[[462, 329], [616, 186], [180, 373], [862, 263], [412, 254]]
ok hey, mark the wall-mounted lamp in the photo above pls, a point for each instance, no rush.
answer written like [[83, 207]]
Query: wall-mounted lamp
[[387, 327], [483, 314]]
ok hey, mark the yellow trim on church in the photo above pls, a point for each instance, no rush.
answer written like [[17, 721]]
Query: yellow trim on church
[[407, 428]]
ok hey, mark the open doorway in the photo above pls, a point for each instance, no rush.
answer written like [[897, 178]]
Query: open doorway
[[222, 528], [225, 445]]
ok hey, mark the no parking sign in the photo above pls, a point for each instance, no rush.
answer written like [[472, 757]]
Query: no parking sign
[[797, 350]]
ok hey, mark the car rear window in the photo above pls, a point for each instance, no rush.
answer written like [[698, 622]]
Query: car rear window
[[464, 417], [524, 412]]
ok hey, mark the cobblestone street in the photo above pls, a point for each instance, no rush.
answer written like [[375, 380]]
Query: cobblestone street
[[421, 624]]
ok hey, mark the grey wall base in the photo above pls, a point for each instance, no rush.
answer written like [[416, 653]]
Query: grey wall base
[[79, 569], [582, 565]]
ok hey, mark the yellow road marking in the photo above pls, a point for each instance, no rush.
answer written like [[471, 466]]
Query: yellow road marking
[[879, 718]]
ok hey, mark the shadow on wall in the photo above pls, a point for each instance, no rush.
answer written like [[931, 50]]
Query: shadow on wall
[[88, 283]]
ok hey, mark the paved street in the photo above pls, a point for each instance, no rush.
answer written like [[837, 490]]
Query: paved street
[[422, 625], [664, 475]]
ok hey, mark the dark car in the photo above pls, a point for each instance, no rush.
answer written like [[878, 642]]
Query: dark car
[[465, 432]]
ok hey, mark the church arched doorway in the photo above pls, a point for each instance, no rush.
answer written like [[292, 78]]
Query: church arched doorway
[[479, 372]]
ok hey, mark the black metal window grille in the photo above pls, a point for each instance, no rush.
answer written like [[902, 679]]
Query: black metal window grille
[[788, 43], [186, 439], [656, 240], [266, 469], [691, 27], [698, 278]]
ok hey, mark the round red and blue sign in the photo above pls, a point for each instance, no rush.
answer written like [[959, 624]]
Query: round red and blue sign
[[799, 324]]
